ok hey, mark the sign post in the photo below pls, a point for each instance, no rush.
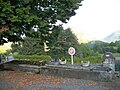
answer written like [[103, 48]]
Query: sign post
[[71, 51]]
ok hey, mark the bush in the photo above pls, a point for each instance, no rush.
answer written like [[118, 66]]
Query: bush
[[92, 59], [116, 54], [38, 63], [30, 59], [76, 60]]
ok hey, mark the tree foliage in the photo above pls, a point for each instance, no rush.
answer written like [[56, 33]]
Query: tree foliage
[[102, 47], [29, 46], [18, 18], [64, 41], [118, 49], [85, 50]]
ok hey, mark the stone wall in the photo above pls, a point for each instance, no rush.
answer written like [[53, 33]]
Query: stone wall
[[1, 66], [117, 64], [70, 73], [22, 67], [62, 72]]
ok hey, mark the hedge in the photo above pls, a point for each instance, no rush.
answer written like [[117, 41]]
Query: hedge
[[93, 59], [38, 63]]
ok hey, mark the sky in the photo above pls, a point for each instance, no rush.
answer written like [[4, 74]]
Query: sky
[[96, 19]]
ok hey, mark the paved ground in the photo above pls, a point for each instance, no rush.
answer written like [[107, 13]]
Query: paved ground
[[12, 80]]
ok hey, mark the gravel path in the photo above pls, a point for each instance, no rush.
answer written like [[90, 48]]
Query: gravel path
[[12, 80]]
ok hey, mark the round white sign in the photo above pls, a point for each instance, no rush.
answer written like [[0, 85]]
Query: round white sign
[[71, 51]]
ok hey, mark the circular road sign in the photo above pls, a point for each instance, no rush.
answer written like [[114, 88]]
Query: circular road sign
[[71, 51]]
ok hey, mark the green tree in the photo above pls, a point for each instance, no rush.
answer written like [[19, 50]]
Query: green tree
[[29, 46], [118, 49], [54, 36], [64, 40], [85, 50], [18, 18], [112, 44], [100, 47]]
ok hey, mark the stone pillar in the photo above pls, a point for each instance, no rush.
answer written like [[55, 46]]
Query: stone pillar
[[109, 61]]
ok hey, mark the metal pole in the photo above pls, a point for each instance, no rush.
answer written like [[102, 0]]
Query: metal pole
[[71, 59]]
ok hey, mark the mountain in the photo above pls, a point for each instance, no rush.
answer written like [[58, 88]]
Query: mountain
[[93, 43], [115, 36]]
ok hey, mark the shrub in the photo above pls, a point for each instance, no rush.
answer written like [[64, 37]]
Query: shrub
[[92, 59], [116, 54], [76, 60], [38, 63]]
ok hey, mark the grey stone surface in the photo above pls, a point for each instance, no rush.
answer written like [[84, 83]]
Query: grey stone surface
[[69, 72], [22, 67], [68, 84], [6, 85], [92, 72], [78, 85]]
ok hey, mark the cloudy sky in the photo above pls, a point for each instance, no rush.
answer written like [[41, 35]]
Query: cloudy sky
[[96, 18]]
